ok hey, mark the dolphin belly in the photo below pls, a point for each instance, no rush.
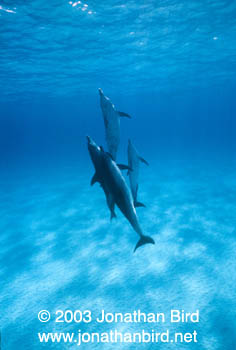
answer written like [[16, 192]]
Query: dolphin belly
[[110, 200], [96, 157], [133, 179], [133, 161], [112, 124], [112, 132]]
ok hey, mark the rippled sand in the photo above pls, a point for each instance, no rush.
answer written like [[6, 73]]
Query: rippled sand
[[59, 250]]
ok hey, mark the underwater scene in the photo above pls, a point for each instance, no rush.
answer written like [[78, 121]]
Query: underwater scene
[[118, 173]]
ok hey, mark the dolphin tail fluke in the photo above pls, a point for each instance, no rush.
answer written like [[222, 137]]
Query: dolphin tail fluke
[[144, 240], [139, 204]]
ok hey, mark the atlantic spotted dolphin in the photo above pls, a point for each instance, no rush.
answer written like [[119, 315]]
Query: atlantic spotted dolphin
[[96, 157], [133, 161], [112, 123], [108, 174]]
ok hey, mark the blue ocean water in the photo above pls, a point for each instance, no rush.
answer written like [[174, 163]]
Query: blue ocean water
[[171, 65]]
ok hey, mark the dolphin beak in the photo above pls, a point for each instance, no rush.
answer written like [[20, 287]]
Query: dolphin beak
[[88, 139], [100, 91]]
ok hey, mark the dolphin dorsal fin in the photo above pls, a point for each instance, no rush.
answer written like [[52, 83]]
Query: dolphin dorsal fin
[[143, 160], [123, 114]]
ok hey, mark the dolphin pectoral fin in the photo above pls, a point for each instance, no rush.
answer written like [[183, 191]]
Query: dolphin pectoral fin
[[122, 114], [139, 204], [144, 240], [124, 167], [143, 160], [94, 179]]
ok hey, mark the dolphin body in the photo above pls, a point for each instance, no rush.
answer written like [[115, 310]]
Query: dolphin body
[[95, 155], [112, 123], [108, 174], [133, 161]]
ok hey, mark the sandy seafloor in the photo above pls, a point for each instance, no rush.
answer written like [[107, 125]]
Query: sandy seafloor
[[59, 250]]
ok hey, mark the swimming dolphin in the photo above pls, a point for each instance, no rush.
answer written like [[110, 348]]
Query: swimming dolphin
[[96, 159], [95, 154], [108, 174], [112, 123], [133, 161]]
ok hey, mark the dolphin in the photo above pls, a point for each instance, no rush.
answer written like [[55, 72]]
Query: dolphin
[[95, 155], [112, 123], [133, 161], [108, 174]]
